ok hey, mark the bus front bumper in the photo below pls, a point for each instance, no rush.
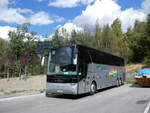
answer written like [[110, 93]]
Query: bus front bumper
[[62, 88]]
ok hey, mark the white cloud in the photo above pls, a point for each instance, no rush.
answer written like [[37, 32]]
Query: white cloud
[[129, 16], [42, 39], [20, 16], [69, 3], [24, 11], [3, 4], [68, 27], [12, 16], [58, 19], [106, 11], [40, 18], [146, 6], [4, 30]]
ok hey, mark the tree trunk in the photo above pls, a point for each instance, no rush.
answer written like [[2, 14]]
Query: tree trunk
[[25, 77], [20, 74], [8, 74]]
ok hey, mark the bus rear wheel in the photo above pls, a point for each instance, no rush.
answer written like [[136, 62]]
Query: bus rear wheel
[[93, 88], [119, 82]]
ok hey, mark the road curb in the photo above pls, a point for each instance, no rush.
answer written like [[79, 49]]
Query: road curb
[[19, 97]]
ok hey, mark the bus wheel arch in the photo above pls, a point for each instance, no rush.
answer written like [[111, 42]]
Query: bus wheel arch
[[93, 87]]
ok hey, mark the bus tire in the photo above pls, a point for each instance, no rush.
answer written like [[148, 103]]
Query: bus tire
[[122, 83], [118, 82], [93, 88]]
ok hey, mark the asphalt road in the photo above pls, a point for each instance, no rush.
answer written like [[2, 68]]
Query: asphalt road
[[124, 99]]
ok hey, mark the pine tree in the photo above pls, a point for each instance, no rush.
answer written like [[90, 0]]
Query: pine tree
[[121, 45], [96, 42]]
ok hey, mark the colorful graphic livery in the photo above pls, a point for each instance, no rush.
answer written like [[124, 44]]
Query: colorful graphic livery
[[106, 70]]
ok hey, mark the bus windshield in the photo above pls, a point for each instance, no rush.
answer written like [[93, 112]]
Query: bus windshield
[[61, 61]]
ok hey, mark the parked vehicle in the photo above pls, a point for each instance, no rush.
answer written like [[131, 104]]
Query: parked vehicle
[[143, 77], [77, 69]]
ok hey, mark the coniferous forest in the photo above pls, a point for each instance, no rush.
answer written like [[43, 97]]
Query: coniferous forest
[[21, 54]]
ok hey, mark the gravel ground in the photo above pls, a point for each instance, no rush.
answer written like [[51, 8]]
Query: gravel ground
[[32, 84]]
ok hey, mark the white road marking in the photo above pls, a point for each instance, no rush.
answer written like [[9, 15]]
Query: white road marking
[[147, 108], [19, 97]]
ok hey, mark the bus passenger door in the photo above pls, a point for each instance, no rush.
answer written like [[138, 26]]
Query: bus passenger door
[[89, 76], [83, 75], [88, 80], [81, 86]]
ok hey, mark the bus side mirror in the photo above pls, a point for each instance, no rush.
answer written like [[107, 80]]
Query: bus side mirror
[[42, 61], [75, 60]]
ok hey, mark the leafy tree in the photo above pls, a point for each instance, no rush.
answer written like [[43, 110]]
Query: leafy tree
[[137, 41], [107, 41], [74, 37], [57, 40], [119, 39], [97, 38], [146, 42], [116, 27], [23, 48], [4, 46], [148, 25], [133, 45]]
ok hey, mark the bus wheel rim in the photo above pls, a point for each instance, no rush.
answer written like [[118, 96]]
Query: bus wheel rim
[[93, 88]]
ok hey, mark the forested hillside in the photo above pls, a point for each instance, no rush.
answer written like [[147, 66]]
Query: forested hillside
[[133, 45], [20, 54]]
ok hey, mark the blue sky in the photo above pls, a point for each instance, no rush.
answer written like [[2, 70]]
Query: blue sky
[[136, 4], [46, 15]]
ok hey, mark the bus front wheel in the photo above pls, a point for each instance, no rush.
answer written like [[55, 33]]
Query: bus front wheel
[[93, 88]]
